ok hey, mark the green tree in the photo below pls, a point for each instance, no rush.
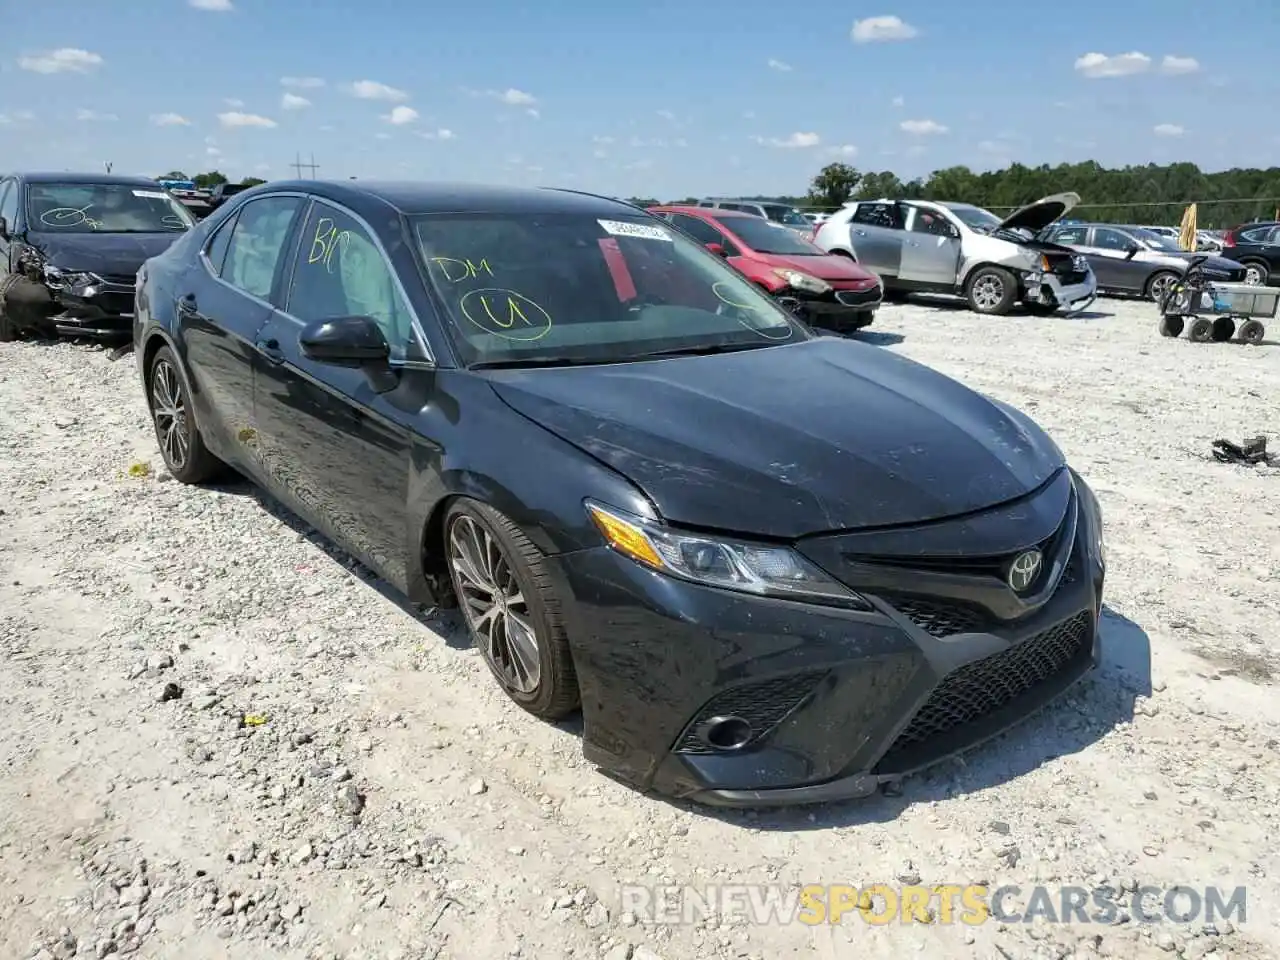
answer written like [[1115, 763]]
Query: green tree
[[173, 175], [251, 181], [833, 185], [206, 181]]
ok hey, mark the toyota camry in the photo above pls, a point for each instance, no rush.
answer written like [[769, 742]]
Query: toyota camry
[[768, 566]]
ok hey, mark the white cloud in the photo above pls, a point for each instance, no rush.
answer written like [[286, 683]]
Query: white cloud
[[372, 90], [216, 6], [667, 115], [302, 83], [91, 115], [899, 101], [1168, 130], [847, 150], [1096, 66], [516, 98], [401, 115], [444, 133], [533, 113], [604, 140], [291, 101], [170, 120], [876, 29], [234, 119], [922, 127], [1179, 65], [779, 66], [22, 116], [793, 142], [213, 151], [233, 103], [62, 60]]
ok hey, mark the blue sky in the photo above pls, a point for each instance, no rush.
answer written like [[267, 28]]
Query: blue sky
[[657, 98]]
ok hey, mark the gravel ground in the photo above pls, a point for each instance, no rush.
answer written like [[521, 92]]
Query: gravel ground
[[222, 738]]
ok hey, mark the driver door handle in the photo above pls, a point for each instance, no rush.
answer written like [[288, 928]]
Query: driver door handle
[[270, 349]]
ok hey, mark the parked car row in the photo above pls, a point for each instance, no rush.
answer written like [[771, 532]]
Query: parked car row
[[713, 561]]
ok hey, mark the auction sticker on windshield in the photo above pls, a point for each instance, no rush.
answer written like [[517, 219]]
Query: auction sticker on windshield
[[644, 230], [151, 194]]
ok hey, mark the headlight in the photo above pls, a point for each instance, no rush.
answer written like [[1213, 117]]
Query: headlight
[[1093, 511], [58, 279], [761, 569], [802, 281]]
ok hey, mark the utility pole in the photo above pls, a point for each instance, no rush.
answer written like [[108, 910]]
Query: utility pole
[[108, 166], [298, 165]]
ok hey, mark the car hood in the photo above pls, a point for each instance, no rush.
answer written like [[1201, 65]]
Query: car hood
[[1036, 216], [1212, 263], [118, 254], [824, 268], [824, 435]]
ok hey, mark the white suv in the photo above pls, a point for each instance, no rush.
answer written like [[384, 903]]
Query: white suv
[[922, 246]]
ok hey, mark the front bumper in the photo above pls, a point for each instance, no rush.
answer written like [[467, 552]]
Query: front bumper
[[839, 309], [838, 701], [1073, 293]]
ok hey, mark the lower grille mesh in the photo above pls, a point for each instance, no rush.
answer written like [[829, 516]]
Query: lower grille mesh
[[763, 705], [979, 689], [939, 618]]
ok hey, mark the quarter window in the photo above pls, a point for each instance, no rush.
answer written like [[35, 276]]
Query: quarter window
[[216, 251], [257, 242], [342, 273], [885, 215]]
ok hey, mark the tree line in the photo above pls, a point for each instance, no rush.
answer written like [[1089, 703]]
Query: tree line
[[209, 179], [1151, 194]]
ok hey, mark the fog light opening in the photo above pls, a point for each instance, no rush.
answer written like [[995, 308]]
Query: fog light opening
[[727, 733]]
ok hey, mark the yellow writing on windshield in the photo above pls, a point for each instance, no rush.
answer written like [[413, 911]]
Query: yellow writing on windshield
[[505, 313], [455, 270]]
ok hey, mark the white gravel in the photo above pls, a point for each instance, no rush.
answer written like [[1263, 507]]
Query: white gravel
[[220, 738]]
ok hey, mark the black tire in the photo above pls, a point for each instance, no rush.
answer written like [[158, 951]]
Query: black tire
[[991, 291], [1159, 284], [177, 432], [1224, 328], [8, 331], [1171, 326], [515, 567], [1252, 332], [1201, 330], [1040, 309], [1260, 272]]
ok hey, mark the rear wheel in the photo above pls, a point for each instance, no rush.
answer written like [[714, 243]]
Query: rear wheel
[[1201, 330], [511, 610], [992, 291], [1171, 326], [1224, 328], [1252, 332], [181, 445], [1256, 273]]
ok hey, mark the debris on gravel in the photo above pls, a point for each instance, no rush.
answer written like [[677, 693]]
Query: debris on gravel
[[221, 736]]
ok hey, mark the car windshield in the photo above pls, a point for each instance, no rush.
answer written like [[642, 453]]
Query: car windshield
[[975, 218], [571, 288], [105, 208], [788, 215], [1158, 241], [765, 237]]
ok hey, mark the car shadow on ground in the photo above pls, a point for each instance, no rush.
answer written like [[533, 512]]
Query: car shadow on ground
[[943, 304], [1067, 726]]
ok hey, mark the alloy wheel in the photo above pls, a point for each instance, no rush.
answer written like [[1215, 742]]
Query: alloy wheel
[[1253, 274], [169, 410], [493, 604], [988, 292], [1161, 286]]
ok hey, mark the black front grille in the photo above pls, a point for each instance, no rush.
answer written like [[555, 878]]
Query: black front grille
[[940, 618], [857, 298], [977, 690], [763, 705]]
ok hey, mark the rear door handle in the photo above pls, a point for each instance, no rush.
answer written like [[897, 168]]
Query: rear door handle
[[270, 349], [860, 233]]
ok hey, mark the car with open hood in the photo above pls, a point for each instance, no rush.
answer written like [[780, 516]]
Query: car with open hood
[[924, 246], [825, 290], [71, 246], [768, 566], [1133, 261]]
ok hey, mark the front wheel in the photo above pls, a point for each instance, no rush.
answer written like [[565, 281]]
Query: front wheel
[[992, 291], [1159, 285], [511, 610], [1256, 274]]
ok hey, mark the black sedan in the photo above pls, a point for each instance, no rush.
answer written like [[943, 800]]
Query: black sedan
[[770, 567], [71, 246], [1131, 261]]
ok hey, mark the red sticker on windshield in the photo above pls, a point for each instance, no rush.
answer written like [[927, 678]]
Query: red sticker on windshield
[[618, 270]]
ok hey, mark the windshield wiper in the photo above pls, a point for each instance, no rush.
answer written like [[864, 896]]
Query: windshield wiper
[[705, 349], [512, 362]]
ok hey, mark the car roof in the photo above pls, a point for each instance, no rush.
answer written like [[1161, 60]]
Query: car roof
[[417, 197], [96, 179], [719, 213]]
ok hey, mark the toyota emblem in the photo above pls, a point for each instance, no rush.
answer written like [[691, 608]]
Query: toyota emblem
[[1024, 569]]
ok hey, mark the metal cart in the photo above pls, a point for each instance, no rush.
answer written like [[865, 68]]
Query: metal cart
[[1215, 312]]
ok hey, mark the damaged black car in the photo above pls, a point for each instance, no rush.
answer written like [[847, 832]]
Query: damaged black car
[[71, 246]]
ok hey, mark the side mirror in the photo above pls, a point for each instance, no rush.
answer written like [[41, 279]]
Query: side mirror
[[4, 229], [718, 249], [1131, 252], [345, 342]]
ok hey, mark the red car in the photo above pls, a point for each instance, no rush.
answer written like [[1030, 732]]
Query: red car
[[826, 290]]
